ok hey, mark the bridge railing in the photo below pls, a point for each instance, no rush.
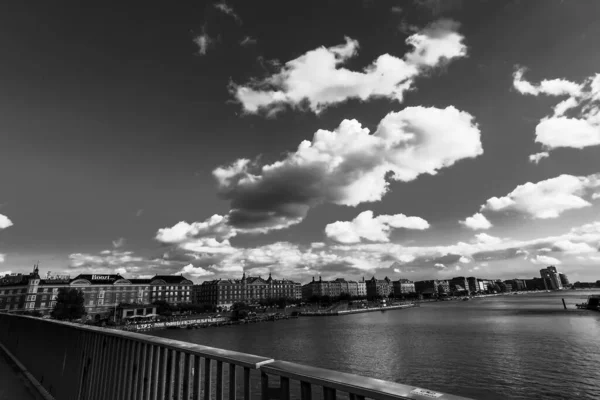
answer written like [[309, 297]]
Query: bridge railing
[[76, 362]]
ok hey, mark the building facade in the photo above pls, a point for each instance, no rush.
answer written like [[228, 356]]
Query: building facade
[[563, 279], [379, 287], [552, 278], [226, 292], [102, 292], [432, 287], [403, 287], [459, 284], [334, 288]]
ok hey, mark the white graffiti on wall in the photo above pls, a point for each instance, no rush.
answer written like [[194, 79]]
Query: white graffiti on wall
[[156, 325]]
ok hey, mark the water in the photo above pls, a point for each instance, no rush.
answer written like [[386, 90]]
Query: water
[[505, 347]]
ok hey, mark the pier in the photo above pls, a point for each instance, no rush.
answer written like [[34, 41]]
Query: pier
[[75, 362]]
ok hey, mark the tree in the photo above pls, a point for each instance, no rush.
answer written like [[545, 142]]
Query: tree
[[69, 305]]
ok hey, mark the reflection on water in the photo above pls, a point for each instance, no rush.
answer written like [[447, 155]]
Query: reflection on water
[[505, 347]]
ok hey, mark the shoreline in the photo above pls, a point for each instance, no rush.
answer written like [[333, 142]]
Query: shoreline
[[360, 310]]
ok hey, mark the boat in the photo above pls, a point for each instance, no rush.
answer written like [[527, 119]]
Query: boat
[[593, 303]]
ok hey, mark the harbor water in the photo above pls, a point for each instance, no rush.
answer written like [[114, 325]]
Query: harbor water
[[504, 347]]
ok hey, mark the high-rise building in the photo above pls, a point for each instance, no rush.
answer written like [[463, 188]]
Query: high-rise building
[[551, 276], [563, 279]]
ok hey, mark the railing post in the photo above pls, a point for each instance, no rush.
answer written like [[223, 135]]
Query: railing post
[[232, 382], [197, 377], [188, 378], [171, 377], [128, 372], [264, 386], [207, 380], [147, 381], [141, 369], [162, 383], [179, 375], [329, 393], [219, 380], [306, 391], [154, 382], [247, 388], [285, 388]]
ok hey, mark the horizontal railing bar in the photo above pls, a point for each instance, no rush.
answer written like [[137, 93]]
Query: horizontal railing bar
[[350, 383], [227, 356]]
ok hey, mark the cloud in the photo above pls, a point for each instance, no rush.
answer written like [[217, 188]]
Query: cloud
[[5, 222], [477, 221], [107, 258], [536, 158], [548, 198], [203, 41], [120, 242], [582, 128], [247, 41], [215, 227], [226, 9], [377, 229], [2, 258], [440, 266], [574, 248], [196, 272], [464, 260], [300, 262], [545, 260], [3, 273], [139, 212], [347, 166], [596, 196], [396, 10], [317, 80]]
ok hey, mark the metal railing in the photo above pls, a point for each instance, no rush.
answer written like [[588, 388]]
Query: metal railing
[[77, 362]]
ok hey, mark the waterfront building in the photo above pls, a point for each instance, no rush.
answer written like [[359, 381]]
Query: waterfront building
[[508, 285], [252, 289], [473, 284], [536, 284], [102, 293], [432, 287], [551, 276], [563, 279], [403, 287], [459, 284], [334, 288], [516, 284], [379, 287]]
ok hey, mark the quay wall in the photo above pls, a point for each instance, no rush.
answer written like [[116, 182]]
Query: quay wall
[[360, 310]]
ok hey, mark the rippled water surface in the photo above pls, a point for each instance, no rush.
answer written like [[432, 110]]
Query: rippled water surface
[[504, 347]]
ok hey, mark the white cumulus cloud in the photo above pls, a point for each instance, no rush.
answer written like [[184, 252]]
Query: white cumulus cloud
[[545, 260], [347, 166], [582, 128], [316, 78], [5, 222], [536, 158], [477, 221], [377, 229], [548, 198], [196, 272]]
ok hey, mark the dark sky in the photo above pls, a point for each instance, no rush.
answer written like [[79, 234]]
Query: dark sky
[[111, 123]]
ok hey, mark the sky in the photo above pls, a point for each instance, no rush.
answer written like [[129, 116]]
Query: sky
[[409, 139]]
